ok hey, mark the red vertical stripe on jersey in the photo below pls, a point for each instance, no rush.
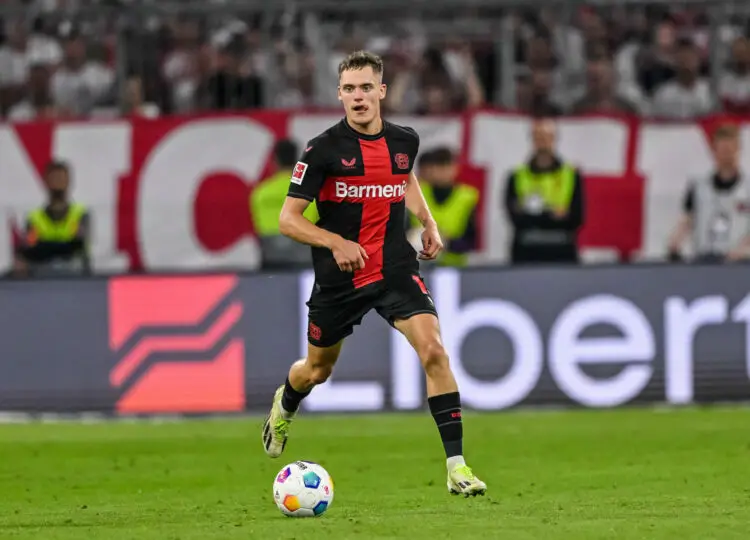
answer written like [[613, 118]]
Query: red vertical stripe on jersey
[[377, 161]]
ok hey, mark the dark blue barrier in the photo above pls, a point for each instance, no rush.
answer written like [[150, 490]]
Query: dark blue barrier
[[594, 337]]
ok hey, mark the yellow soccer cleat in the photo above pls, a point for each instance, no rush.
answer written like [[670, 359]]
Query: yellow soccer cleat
[[276, 427], [461, 481]]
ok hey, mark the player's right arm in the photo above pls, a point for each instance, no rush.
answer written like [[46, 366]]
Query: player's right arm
[[306, 182], [349, 255]]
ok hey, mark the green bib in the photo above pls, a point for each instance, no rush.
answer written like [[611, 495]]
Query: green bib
[[64, 230], [452, 217], [554, 189], [266, 201]]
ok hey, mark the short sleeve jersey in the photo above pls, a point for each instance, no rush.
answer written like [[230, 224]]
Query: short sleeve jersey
[[358, 183]]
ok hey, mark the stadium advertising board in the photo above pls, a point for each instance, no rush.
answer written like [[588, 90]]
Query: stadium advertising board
[[591, 337], [172, 194]]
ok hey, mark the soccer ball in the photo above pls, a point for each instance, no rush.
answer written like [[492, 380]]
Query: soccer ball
[[303, 489]]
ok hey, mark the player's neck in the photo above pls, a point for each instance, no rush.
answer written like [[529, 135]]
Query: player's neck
[[373, 128]]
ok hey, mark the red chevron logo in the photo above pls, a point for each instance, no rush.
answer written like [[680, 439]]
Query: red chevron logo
[[157, 324]]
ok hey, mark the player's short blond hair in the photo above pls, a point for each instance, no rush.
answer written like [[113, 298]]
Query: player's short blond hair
[[360, 60]]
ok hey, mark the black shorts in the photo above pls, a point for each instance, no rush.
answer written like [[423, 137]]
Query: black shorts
[[334, 312]]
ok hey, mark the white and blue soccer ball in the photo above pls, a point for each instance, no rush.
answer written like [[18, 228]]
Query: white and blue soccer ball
[[303, 489]]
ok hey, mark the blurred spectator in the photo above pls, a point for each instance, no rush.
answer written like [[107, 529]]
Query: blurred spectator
[[593, 26], [133, 103], [544, 201], [21, 50], [426, 86], [716, 213], [453, 205], [42, 46], [436, 101], [37, 103], [232, 85], [541, 89], [601, 95], [461, 64], [689, 94], [656, 63], [635, 41], [13, 64], [524, 98], [734, 86], [57, 234], [567, 43], [295, 81], [79, 84], [181, 66], [548, 88]]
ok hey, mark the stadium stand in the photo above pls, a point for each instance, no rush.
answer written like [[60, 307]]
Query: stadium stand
[[79, 58]]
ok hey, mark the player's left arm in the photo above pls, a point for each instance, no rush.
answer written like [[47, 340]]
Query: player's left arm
[[416, 204]]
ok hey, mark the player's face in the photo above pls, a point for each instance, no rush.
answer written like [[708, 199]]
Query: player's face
[[360, 90]]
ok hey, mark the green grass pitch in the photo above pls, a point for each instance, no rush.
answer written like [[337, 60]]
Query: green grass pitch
[[578, 475]]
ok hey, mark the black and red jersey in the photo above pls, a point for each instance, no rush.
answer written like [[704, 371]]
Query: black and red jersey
[[359, 184]]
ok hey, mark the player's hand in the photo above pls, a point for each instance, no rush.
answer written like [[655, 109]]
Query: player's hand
[[432, 245], [350, 256]]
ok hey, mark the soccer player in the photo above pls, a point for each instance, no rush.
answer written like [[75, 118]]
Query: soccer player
[[359, 173]]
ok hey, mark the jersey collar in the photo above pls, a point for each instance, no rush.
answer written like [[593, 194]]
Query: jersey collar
[[362, 135]]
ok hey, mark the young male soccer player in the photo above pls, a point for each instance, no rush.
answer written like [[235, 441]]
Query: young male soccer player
[[359, 172]]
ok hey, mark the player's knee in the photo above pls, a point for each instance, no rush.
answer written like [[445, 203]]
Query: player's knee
[[434, 358], [319, 373]]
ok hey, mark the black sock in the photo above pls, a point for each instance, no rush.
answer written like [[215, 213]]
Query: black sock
[[292, 398], [446, 410]]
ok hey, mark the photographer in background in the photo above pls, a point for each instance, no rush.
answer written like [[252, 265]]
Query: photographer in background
[[57, 235], [716, 208]]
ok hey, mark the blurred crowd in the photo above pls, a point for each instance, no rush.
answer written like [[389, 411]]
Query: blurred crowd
[[652, 61], [78, 58]]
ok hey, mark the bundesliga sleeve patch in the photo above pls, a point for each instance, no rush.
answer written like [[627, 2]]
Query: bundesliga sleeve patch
[[299, 172]]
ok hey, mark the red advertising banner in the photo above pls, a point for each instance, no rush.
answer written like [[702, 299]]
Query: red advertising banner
[[178, 316], [173, 193]]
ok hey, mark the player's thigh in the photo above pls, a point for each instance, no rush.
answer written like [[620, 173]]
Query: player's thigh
[[409, 308], [404, 296]]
